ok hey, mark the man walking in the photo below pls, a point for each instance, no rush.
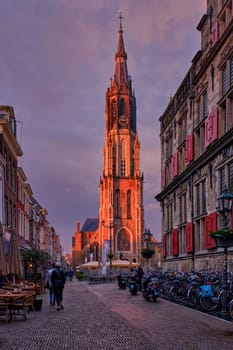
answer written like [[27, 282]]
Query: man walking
[[58, 280], [49, 284]]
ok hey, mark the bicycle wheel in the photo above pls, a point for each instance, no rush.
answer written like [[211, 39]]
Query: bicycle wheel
[[208, 303], [178, 292], [193, 296]]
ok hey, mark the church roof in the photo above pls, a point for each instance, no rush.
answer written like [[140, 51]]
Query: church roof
[[90, 225]]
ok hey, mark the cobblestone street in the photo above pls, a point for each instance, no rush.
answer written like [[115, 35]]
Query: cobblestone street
[[103, 317]]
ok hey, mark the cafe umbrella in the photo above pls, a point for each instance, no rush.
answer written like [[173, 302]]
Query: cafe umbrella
[[3, 261], [14, 258]]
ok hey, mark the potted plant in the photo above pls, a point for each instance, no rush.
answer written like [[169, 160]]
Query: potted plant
[[223, 237]]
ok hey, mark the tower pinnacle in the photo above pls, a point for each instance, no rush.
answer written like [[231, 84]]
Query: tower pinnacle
[[121, 71]]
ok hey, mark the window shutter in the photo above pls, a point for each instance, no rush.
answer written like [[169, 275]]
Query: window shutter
[[164, 245], [189, 237], [189, 149], [215, 34], [175, 245], [210, 225]]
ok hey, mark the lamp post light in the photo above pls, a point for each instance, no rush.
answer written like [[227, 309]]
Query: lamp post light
[[148, 254], [147, 236], [225, 202], [110, 226]]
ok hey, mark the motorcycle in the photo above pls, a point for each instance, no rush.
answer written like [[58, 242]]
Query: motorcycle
[[122, 282], [133, 283], [150, 289]]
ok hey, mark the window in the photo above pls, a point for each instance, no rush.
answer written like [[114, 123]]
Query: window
[[128, 204], [224, 80], [123, 167], [182, 209], [169, 216], [205, 104], [121, 107], [114, 160], [222, 179], [230, 177], [199, 110], [231, 71], [114, 111], [200, 198], [117, 204]]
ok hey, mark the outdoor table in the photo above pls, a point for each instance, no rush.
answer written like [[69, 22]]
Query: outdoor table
[[10, 298]]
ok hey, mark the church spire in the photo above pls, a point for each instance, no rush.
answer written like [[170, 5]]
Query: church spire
[[121, 71]]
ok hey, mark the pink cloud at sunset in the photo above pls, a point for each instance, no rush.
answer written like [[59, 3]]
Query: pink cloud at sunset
[[57, 58]]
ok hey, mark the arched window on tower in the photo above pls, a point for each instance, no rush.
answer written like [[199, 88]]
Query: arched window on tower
[[128, 204], [123, 156], [117, 204], [121, 107], [114, 160], [114, 111]]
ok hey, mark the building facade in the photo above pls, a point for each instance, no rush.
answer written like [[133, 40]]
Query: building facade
[[197, 148], [121, 213]]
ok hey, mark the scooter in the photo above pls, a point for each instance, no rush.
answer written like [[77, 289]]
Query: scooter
[[121, 281], [133, 283], [150, 289]]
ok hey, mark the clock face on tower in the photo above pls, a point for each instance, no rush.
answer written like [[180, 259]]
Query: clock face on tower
[[123, 121]]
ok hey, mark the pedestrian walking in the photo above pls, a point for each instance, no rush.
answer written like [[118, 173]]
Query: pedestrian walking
[[49, 285], [140, 273], [58, 280]]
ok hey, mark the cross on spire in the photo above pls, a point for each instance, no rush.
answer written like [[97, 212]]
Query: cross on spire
[[120, 18]]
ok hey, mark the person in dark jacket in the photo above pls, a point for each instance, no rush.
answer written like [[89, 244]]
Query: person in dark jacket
[[58, 280], [140, 275]]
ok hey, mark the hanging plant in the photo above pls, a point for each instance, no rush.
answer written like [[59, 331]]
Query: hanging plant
[[222, 233], [147, 253]]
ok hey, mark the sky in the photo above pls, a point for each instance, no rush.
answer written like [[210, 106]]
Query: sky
[[56, 61]]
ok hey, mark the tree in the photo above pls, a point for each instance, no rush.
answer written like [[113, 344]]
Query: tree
[[35, 258]]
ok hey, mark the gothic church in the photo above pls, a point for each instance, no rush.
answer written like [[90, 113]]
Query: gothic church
[[118, 231]]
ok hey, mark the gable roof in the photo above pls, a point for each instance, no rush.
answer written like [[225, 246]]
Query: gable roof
[[90, 225]]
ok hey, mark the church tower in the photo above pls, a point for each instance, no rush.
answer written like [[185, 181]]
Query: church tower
[[121, 213]]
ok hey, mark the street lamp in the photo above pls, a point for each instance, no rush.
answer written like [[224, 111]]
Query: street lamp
[[147, 253], [225, 202], [147, 236], [110, 226]]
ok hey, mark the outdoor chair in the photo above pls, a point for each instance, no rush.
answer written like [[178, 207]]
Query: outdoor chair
[[4, 311], [18, 308], [29, 301]]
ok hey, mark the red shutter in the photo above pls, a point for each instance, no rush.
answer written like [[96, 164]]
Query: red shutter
[[175, 245], [164, 245], [211, 127], [188, 148], [189, 237], [215, 34], [164, 177], [214, 116], [210, 225]]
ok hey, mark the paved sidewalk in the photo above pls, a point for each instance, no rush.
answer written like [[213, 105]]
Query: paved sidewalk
[[103, 317]]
